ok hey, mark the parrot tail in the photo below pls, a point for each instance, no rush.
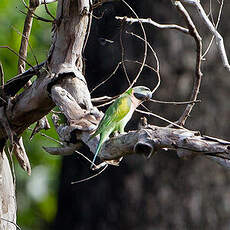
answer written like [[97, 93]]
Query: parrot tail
[[96, 153]]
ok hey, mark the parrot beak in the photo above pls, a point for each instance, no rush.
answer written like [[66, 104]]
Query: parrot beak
[[143, 96], [149, 95]]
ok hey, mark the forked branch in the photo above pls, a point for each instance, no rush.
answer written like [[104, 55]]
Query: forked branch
[[219, 39]]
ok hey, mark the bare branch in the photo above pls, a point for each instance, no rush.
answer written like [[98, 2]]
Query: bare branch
[[24, 41], [36, 3], [2, 80], [175, 102], [145, 65], [123, 53], [151, 139], [219, 39], [12, 86], [46, 1], [41, 124], [216, 25], [20, 153], [11, 223], [196, 84], [150, 21], [7, 47], [145, 46]]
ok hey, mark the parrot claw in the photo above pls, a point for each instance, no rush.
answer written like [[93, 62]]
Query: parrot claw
[[106, 163], [101, 165], [114, 162]]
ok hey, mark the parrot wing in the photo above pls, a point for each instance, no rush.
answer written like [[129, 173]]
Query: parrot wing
[[116, 112]]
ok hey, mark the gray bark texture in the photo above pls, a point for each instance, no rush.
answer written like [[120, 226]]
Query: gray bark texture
[[7, 195], [61, 82]]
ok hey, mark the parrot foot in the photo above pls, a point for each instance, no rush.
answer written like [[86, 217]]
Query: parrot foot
[[99, 166], [114, 162], [106, 163]]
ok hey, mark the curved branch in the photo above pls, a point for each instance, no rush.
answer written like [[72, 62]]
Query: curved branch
[[198, 74], [151, 22]]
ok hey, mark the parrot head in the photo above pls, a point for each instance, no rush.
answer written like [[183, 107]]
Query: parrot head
[[142, 93]]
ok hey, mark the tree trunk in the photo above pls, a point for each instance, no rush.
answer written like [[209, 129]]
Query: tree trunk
[[8, 205]]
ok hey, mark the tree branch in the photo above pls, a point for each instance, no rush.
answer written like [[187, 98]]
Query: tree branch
[[151, 22], [147, 141], [151, 139], [198, 74], [219, 39]]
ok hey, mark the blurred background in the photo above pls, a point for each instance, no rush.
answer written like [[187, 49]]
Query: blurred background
[[163, 192]]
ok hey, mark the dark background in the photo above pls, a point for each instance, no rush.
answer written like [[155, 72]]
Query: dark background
[[163, 192]]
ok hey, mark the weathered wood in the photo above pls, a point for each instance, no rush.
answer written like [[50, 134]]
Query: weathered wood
[[63, 68], [147, 141], [152, 138], [7, 195]]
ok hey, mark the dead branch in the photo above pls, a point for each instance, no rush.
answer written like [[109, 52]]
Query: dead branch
[[152, 139], [12, 86], [36, 3], [219, 39], [145, 45], [20, 153], [25, 41], [156, 24], [7, 195], [147, 141], [198, 74], [194, 33]]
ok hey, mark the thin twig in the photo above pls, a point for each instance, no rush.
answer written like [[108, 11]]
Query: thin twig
[[160, 117], [37, 3], [47, 10], [7, 47], [101, 99], [33, 14], [103, 82], [150, 21], [109, 100], [145, 45], [24, 43], [198, 75], [138, 62], [2, 79], [9, 221], [38, 17], [219, 39], [44, 135], [91, 177], [156, 58], [175, 102], [107, 103], [123, 53], [216, 26], [86, 158], [31, 49], [47, 1]]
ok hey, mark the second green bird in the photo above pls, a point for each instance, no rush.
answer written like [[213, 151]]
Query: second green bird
[[119, 113]]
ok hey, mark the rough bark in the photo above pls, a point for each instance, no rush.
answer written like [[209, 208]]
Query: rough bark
[[7, 195], [64, 67], [63, 84]]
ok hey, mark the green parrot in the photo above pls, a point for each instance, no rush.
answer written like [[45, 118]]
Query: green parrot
[[119, 113]]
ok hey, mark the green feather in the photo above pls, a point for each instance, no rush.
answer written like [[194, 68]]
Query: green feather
[[110, 122]]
